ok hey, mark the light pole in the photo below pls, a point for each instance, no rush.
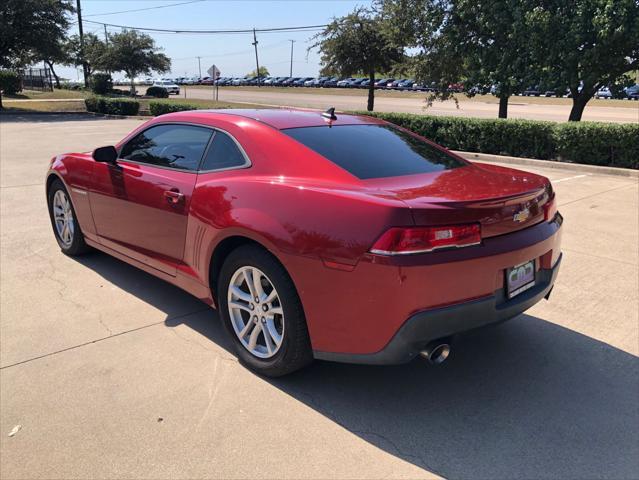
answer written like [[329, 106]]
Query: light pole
[[84, 63], [257, 62], [199, 67], [291, 72]]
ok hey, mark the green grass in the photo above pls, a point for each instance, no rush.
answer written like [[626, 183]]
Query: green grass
[[76, 106], [37, 95], [202, 104], [44, 106]]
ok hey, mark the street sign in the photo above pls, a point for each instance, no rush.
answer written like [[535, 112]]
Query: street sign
[[213, 72]]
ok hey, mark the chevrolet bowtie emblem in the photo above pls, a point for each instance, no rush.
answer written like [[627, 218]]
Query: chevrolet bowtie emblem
[[521, 216]]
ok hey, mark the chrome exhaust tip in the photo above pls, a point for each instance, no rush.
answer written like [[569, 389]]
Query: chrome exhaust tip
[[436, 352]]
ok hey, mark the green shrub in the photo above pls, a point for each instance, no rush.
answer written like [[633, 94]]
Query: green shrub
[[157, 92], [579, 142], [112, 106], [610, 144], [10, 82], [101, 83], [160, 108]]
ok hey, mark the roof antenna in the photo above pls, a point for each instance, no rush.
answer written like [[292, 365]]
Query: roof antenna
[[330, 114]]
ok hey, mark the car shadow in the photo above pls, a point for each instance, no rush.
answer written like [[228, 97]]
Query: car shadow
[[525, 399]]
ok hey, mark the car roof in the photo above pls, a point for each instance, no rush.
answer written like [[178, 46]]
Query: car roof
[[274, 117]]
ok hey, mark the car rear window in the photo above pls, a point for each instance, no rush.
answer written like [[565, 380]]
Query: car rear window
[[374, 151]]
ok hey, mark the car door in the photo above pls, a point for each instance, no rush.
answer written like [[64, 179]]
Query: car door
[[140, 205]]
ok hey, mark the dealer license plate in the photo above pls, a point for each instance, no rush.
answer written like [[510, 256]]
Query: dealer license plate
[[520, 278]]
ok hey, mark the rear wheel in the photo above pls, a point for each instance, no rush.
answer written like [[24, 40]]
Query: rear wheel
[[263, 313], [63, 219]]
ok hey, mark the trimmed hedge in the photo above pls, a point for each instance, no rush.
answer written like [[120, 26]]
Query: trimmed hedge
[[160, 108], [593, 143], [112, 106], [157, 92]]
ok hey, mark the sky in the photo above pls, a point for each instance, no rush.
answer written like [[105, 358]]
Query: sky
[[233, 54]]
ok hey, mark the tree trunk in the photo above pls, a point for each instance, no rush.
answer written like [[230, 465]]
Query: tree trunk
[[1, 107], [371, 92], [132, 86], [579, 102], [503, 106], [55, 76]]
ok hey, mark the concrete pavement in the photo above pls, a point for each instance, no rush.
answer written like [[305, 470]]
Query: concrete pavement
[[112, 373]]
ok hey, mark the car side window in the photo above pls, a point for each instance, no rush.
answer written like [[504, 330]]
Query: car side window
[[223, 153], [173, 146]]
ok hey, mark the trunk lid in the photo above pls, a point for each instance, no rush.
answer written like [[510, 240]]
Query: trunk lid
[[502, 200]]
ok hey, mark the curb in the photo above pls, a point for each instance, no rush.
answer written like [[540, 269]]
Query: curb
[[578, 167]]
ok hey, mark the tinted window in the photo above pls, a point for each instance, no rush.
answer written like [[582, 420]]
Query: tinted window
[[223, 153], [374, 151], [175, 146]]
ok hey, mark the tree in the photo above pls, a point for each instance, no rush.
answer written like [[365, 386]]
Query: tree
[[480, 42], [583, 45], [32, 30], [134, 54], [357, 43], [94, 52], [27, 25], [263, 73]]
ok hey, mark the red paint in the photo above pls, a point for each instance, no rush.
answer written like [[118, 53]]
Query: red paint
[[318, 220]]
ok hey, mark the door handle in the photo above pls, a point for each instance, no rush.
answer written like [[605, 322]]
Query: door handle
[[173, 196]]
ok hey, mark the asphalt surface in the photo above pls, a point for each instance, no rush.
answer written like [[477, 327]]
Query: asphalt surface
[[111, 373], [519, 107]]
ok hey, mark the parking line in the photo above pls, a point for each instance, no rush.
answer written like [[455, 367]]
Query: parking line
[[571, 178]]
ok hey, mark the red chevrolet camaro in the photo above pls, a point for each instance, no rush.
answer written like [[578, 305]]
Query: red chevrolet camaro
[[340, 238]]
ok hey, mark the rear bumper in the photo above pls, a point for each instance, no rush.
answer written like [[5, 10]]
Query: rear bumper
[[425, 326]]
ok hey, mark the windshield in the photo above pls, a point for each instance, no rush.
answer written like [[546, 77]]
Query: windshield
[[374, 151]]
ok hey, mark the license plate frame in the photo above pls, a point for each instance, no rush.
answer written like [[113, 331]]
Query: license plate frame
[[520, 278]]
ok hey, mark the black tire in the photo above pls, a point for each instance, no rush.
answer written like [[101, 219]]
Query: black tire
[[77, 246], [295, 351]]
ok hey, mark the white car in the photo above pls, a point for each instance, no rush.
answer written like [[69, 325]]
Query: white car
[[603, 92], [168, 85]]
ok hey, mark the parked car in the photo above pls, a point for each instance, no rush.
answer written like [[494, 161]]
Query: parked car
[[168, 85], [395, 83], [331, 82], [244, 218], [318, 82], [345, 82], [632, 92], [289, 81], [300, 81], [532, 91], [405, 84], [603, 92]]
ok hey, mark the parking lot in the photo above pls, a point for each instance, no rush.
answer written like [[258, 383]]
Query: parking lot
[[111, 373]]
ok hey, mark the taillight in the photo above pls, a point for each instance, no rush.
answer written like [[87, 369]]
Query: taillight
[[550, 209], [404, 241]]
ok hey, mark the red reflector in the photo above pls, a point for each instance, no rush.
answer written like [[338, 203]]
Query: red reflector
[[401, 241], [550, 209]]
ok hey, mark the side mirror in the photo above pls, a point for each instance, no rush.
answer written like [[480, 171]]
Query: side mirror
[[105, 154]]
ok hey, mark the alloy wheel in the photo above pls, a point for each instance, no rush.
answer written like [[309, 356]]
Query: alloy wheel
[[256, 312], [63, 218]]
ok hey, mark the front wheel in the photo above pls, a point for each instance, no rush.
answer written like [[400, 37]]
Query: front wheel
[[64, 221], [262, 312]]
